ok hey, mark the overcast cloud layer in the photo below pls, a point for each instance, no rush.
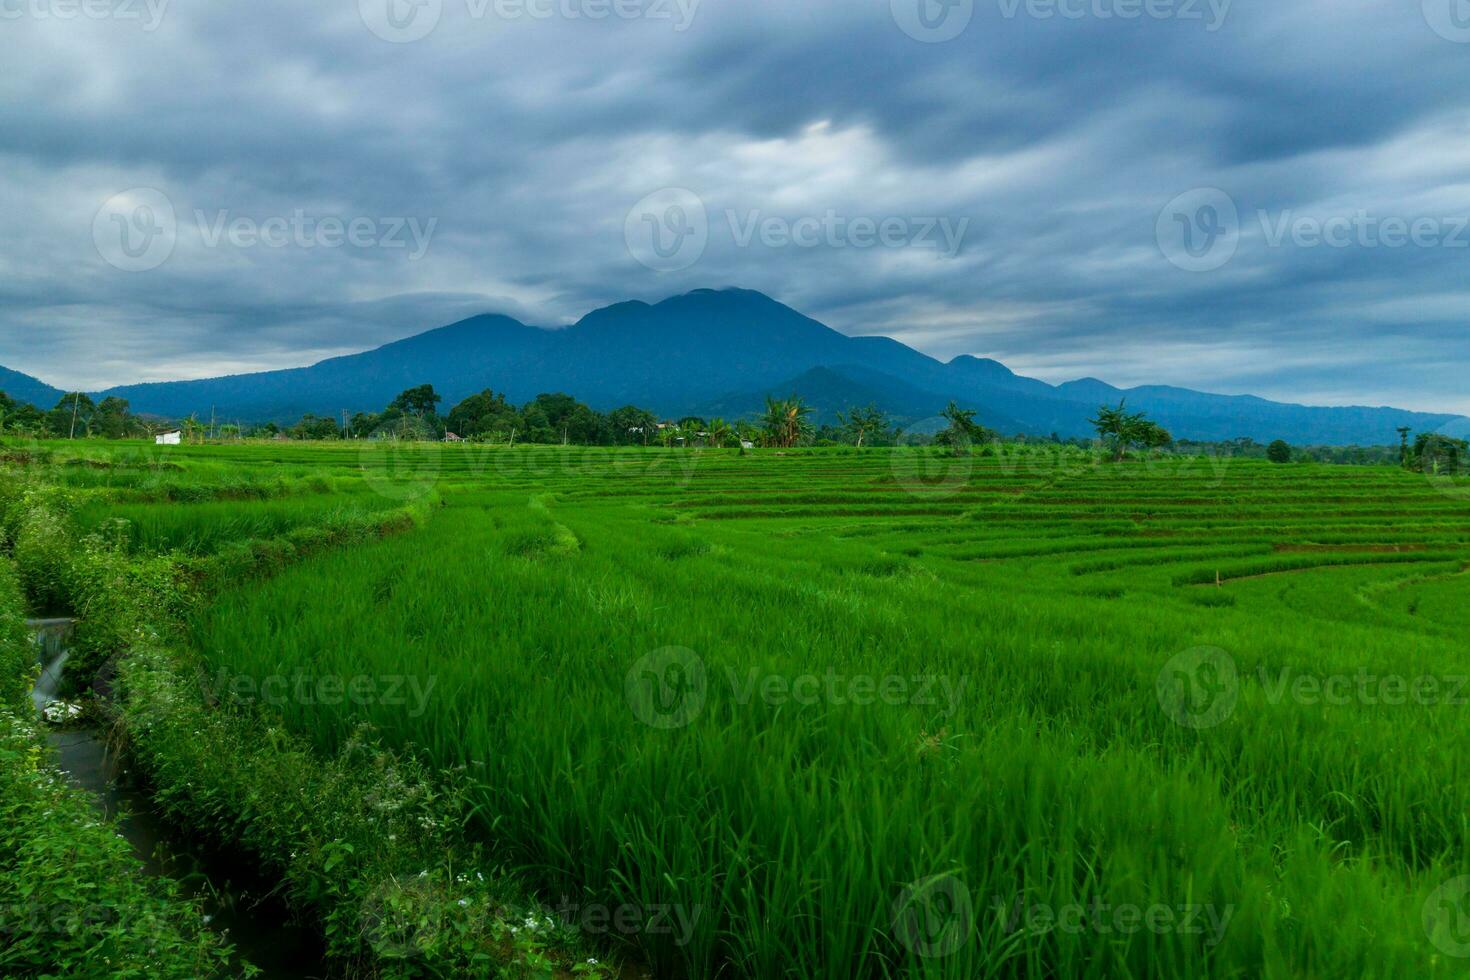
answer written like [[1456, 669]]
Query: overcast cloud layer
[[1266, 196]]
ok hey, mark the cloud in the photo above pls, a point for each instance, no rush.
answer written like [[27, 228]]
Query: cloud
[[522, 132]]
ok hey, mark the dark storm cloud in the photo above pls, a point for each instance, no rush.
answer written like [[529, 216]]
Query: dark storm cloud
[[1054, 133]]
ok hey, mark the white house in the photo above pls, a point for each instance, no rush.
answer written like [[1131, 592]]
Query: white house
[[168, 438]]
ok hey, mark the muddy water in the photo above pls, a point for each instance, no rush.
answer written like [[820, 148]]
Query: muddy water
[[235, 896]]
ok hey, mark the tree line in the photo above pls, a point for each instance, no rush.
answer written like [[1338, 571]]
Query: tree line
[[560, 419]]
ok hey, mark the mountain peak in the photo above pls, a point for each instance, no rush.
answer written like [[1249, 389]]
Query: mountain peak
[[987, 365], [674, 356]]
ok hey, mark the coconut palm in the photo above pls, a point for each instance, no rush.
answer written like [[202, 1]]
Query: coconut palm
[[720, 434], [787, 422]]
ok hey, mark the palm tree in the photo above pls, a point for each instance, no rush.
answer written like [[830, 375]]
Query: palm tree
[[787, 422], [720, 433]]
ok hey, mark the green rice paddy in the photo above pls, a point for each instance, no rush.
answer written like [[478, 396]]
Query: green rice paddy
[[886, 713]]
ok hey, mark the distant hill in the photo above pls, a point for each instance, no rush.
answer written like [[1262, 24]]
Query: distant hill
[[24, 388], [721, 352]]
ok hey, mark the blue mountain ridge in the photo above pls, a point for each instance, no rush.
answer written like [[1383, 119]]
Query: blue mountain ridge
[[722, 351]]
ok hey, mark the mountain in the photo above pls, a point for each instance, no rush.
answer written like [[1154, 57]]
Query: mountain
[[24, 388], [721, 352]]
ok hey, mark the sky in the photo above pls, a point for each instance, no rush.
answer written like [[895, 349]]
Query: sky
[[1240, 196]]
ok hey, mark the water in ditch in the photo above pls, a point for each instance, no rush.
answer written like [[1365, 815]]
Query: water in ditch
[[235, 896]]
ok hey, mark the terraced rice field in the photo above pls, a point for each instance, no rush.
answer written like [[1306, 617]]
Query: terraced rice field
[[839, 714]]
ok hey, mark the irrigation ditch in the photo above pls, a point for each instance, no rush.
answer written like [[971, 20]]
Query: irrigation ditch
[[239, 902]]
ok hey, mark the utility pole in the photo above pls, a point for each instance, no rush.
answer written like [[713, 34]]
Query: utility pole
[[76, 400]]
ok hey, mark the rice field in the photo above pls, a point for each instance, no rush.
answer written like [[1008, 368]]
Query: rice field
[[887, 713]]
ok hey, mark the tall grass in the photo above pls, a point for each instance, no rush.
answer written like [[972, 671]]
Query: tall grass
[[1053, 778]]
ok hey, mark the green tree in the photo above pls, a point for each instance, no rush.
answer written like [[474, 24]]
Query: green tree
[[113, 418], [1121, 430], [864, 424], [1439, 454], [720, 433], [631, 425], [786, 421], [482, 415], [1279, 452], [963, 431], [72, 416], [421, 401]]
